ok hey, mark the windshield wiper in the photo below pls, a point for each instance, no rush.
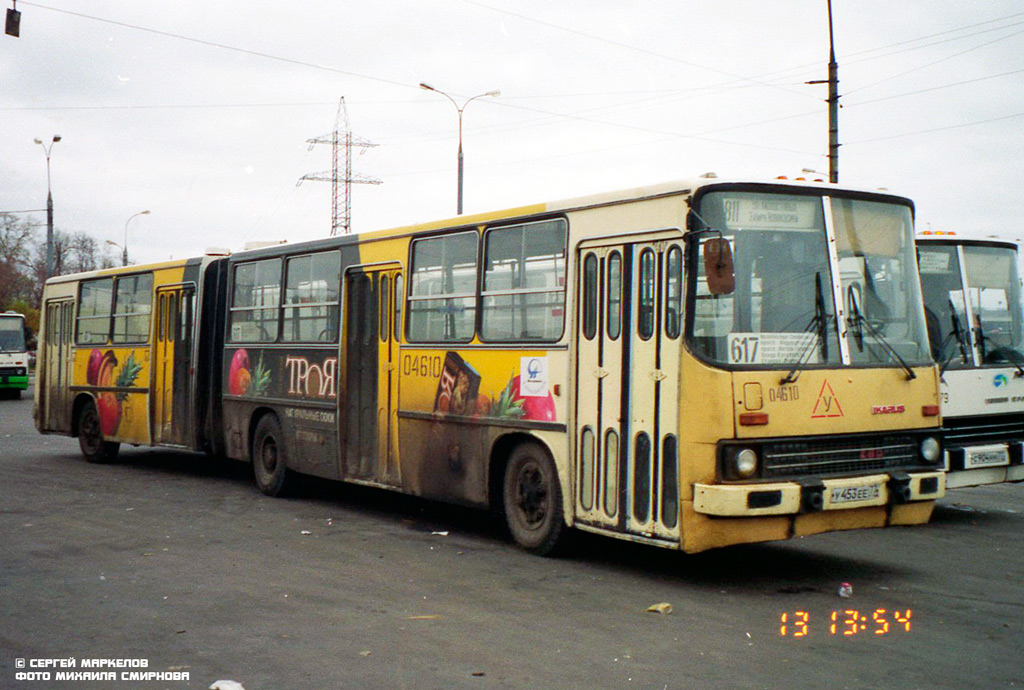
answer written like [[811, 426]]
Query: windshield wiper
[[819, 324], [1015, 359], [860, 323], [1008, 353], [958, 333]]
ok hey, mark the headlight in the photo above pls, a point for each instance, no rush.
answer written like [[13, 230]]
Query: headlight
[[745, 463], [930, 449]]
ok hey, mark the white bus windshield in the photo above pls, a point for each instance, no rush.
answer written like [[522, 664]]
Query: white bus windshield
[[12, 334], [977, 322]]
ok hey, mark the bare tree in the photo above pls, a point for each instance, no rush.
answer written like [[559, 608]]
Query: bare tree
[[15, 260], [72, 253]]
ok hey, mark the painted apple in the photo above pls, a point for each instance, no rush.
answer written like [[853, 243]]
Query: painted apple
[[535, 408], [239, 377], [109, 409]]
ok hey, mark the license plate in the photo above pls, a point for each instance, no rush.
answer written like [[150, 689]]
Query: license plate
[[849, 494], [988, 458]]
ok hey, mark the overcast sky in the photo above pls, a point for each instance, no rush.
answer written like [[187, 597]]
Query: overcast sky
[[200, 111]]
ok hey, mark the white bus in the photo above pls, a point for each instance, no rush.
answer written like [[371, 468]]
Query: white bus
[[972, 295], [13, 355]]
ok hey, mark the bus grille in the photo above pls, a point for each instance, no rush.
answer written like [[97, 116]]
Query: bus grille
[[981, 430], [839, 456], [12, 371]]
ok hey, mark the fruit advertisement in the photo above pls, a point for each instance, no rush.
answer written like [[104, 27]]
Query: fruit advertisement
[[462, 390], [120, 378]]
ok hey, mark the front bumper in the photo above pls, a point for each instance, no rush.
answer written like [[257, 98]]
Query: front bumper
[[809, 496], [975, 465], [13, 381]]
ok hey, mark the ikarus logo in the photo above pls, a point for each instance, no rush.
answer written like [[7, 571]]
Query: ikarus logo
[[999, 380]]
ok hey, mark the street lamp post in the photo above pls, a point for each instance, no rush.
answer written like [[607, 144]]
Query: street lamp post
[[428, 87], [124, 247], [49, 206]]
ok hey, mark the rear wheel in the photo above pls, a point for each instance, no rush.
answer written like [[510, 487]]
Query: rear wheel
[[90, 437], [270, 457], [533, 500]]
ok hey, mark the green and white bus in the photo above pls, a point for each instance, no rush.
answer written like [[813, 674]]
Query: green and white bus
[[13, 355]]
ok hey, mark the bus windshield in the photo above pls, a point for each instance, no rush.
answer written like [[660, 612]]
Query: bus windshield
[[988, 306], [12, 334], [781, 310]]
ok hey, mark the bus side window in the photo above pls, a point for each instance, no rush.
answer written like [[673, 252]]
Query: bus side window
[[133, 300], [645, 320], [398, 307], [443, 288], [186, 316], [384, 312], [614, 318], [590, 296], [673, 291], [95, 299], [172, 317]]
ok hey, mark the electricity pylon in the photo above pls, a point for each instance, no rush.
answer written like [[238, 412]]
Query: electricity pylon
[[341, 181]]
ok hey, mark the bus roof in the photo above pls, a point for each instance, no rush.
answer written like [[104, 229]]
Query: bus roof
[[684, 187], [71, 277], [946, 237]]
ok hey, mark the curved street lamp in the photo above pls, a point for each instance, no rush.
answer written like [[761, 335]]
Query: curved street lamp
[[495, 93], [124, 247], [49, 206]]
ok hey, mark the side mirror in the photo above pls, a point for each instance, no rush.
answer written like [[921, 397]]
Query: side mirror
[[718, 266]]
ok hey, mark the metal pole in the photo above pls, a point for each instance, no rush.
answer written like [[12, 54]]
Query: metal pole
[[428, 87], [49, 206], [49, 223], [124, 247], [833, 104], [459, 207]]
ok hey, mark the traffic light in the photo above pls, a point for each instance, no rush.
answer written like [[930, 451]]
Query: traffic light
[[13, 23]]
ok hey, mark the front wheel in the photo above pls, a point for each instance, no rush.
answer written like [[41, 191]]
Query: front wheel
[[90, 436], [270, 457], [533, 500]]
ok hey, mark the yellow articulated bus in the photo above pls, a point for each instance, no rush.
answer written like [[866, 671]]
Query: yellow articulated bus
[[689, 365], [118, 358]]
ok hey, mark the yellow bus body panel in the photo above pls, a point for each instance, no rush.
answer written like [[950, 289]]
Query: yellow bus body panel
[[122, 379]]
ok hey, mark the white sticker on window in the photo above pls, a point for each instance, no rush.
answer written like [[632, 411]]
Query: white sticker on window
[[933, 262], [773, 348]]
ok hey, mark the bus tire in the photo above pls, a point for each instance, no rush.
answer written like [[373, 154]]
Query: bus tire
[[270, 456], [533, 500], [90, 437]]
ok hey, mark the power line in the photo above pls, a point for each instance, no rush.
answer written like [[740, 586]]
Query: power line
[[935, 62], [214, 44], [935, 88], [627, 46], [935, 129]]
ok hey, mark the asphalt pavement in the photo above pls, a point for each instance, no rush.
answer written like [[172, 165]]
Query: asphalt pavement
[[177, 562]]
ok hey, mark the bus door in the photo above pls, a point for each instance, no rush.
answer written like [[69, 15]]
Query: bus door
[[371, 389], [172, 364], [60, 319], [629, 328]]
